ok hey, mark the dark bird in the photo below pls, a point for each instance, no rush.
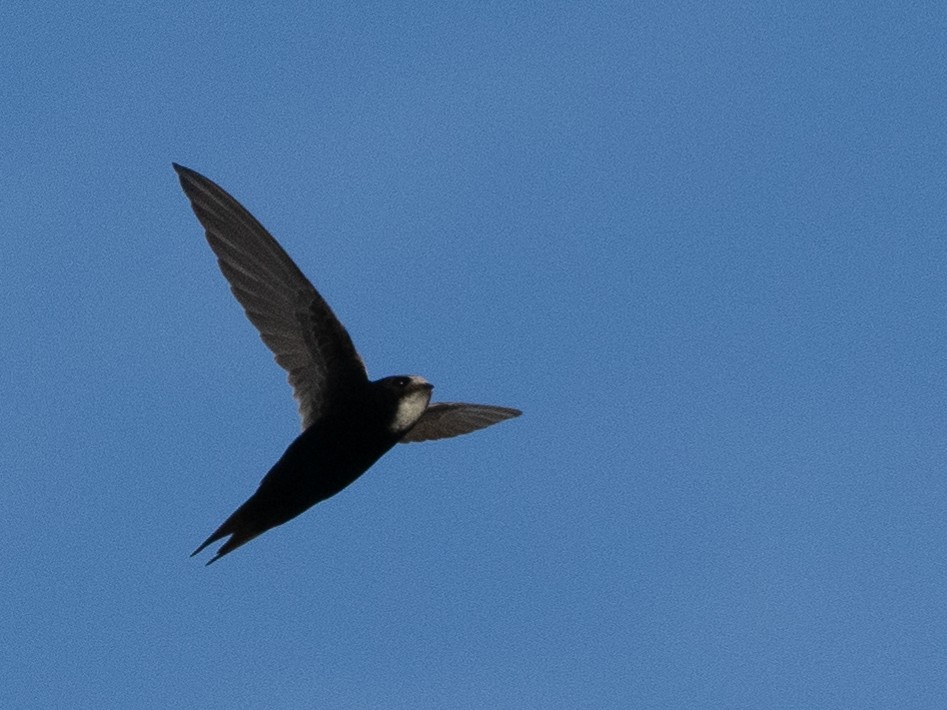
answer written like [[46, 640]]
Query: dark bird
[[348, 421]]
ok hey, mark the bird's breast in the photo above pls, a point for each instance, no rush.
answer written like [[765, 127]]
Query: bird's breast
[[327, 457]]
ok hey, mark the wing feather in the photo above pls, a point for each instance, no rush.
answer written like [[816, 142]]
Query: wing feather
[[294, 321], [446, 419]]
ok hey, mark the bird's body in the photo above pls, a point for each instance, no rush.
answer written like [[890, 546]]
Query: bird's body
[[324, 459], [349, 422]]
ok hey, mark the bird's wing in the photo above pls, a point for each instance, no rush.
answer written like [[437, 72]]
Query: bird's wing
[[446, 419], [294, 321]]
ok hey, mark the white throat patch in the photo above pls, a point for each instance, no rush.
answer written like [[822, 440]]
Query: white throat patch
[[410, 409]]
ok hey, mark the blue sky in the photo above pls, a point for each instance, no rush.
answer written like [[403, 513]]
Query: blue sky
[[701, 246]]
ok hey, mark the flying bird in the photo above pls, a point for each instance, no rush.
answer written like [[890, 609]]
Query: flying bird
[[348, 421]]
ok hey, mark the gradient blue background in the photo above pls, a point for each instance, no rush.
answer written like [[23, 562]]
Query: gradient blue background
[[701, 246]]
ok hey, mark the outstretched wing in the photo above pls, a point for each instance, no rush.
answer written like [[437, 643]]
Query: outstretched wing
[[446, 419], [294, 321]]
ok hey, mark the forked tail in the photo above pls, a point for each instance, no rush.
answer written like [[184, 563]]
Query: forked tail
[[239, 528]]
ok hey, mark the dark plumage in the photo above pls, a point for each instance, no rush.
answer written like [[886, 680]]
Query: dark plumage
[[348, 421]]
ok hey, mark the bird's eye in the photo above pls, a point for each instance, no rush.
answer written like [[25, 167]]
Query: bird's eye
[[402, 382]]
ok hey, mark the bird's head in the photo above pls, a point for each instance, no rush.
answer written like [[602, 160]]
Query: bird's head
[[409, 396]]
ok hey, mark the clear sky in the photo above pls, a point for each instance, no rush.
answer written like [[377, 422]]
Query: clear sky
[[700, 245]]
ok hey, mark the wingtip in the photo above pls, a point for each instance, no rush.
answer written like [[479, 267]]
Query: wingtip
[[184, 173], [506, 413]]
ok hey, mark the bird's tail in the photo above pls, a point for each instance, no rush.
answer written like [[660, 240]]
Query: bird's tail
[[238, 527]]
